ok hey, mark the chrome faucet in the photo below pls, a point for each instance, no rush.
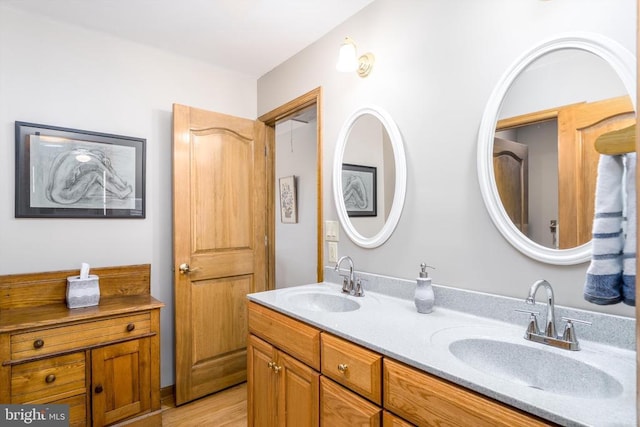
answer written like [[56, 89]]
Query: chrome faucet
[[349, 282], [550, 328], [567, 340]]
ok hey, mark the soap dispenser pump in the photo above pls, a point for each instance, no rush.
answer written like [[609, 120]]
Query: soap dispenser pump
[[424, 297]]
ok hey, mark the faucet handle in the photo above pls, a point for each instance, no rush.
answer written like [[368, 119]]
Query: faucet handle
[[358, 291], [532, 327], [345, 283], [569, 333], [572, 320], [531, 312]]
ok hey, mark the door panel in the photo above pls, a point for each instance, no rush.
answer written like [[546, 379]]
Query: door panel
[[219, 232], [229, 317]]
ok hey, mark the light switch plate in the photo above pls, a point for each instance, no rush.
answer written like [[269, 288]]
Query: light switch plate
[[333, 252], [331, 230]]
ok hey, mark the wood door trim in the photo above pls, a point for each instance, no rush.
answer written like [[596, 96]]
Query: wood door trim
[[306, 100]]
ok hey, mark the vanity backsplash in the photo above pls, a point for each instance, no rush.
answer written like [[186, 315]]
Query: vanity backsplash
[[608, 329]]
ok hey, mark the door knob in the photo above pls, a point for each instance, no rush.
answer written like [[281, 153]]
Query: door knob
[[184, 268]]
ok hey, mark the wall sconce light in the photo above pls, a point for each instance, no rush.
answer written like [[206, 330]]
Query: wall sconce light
[[349, 61]]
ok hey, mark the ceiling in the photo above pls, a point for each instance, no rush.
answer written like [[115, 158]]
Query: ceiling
[[247, 36]]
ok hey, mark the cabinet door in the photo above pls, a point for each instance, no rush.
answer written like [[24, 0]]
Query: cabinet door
[[298, 393], [121, 378], [261, 383], [342, 408]]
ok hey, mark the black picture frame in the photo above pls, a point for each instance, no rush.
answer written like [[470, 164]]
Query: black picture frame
[[359, 190], [71, 173]]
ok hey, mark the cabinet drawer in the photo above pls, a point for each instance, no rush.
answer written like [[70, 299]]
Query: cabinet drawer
[[296, 338], [341, 408], [77, 409], [427, 400], [48, 380], [390, 420], [81, 335], [352, 366]]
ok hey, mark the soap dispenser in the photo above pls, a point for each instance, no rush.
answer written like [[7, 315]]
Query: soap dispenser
[[424, 297]]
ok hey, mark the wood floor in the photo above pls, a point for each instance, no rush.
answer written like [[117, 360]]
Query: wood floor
[[227, 408]]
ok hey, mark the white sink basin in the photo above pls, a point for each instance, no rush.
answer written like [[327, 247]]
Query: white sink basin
[[502, 359], [537, 368], [321, 301]]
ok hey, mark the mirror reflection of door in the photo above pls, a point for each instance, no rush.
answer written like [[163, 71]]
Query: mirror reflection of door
[[296, 155], [510, 166], [558, 109], [562, 167]]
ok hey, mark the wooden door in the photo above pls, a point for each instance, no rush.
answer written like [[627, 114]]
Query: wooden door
[[578, 127], [510, 166], [219, 241], [261, 384], [298, 393], [121, 381]]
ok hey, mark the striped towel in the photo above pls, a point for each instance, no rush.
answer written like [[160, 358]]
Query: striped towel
[[629, 249], [603, 284]]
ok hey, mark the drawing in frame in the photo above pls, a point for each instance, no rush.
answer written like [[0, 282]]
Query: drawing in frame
[[288, 200], [359, 190], [71, 173]]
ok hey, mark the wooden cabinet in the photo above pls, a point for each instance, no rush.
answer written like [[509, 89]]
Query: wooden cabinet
[[358, 387], [102, 361], [282, 391]]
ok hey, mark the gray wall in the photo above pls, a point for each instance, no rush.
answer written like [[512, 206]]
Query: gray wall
[[296, 251], [437, 62], [57, 74]]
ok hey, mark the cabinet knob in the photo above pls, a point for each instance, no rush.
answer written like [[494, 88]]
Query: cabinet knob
[[271, 364], [131, 327], [276, 368], [342, 367], [38, 343], [50, 378], [98, 389]]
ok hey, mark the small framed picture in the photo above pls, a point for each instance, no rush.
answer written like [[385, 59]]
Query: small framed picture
[[288, 200], [71, 173], [359, 190]]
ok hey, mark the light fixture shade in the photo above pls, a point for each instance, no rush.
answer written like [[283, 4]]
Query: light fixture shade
[[347, 59]]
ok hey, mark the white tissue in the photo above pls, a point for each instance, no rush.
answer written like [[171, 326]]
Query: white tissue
[[84, 271]]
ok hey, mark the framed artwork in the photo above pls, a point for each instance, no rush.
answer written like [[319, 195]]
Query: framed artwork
[[288, 200], [359, 190], [70, 173]]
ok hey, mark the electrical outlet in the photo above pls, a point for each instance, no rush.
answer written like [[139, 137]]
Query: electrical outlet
[[333, 252]]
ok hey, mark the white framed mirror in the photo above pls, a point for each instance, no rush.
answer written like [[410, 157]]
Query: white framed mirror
[[622, 66], [369, 176]]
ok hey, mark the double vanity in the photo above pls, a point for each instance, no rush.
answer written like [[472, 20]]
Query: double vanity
[[377, 361]]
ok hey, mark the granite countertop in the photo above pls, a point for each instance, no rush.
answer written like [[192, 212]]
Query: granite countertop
[[390, 325]]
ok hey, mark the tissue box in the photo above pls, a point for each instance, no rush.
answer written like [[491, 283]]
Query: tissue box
[[82, 292]]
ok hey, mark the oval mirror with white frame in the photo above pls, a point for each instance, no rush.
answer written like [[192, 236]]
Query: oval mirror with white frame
[[369, 176], [514, 102]]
